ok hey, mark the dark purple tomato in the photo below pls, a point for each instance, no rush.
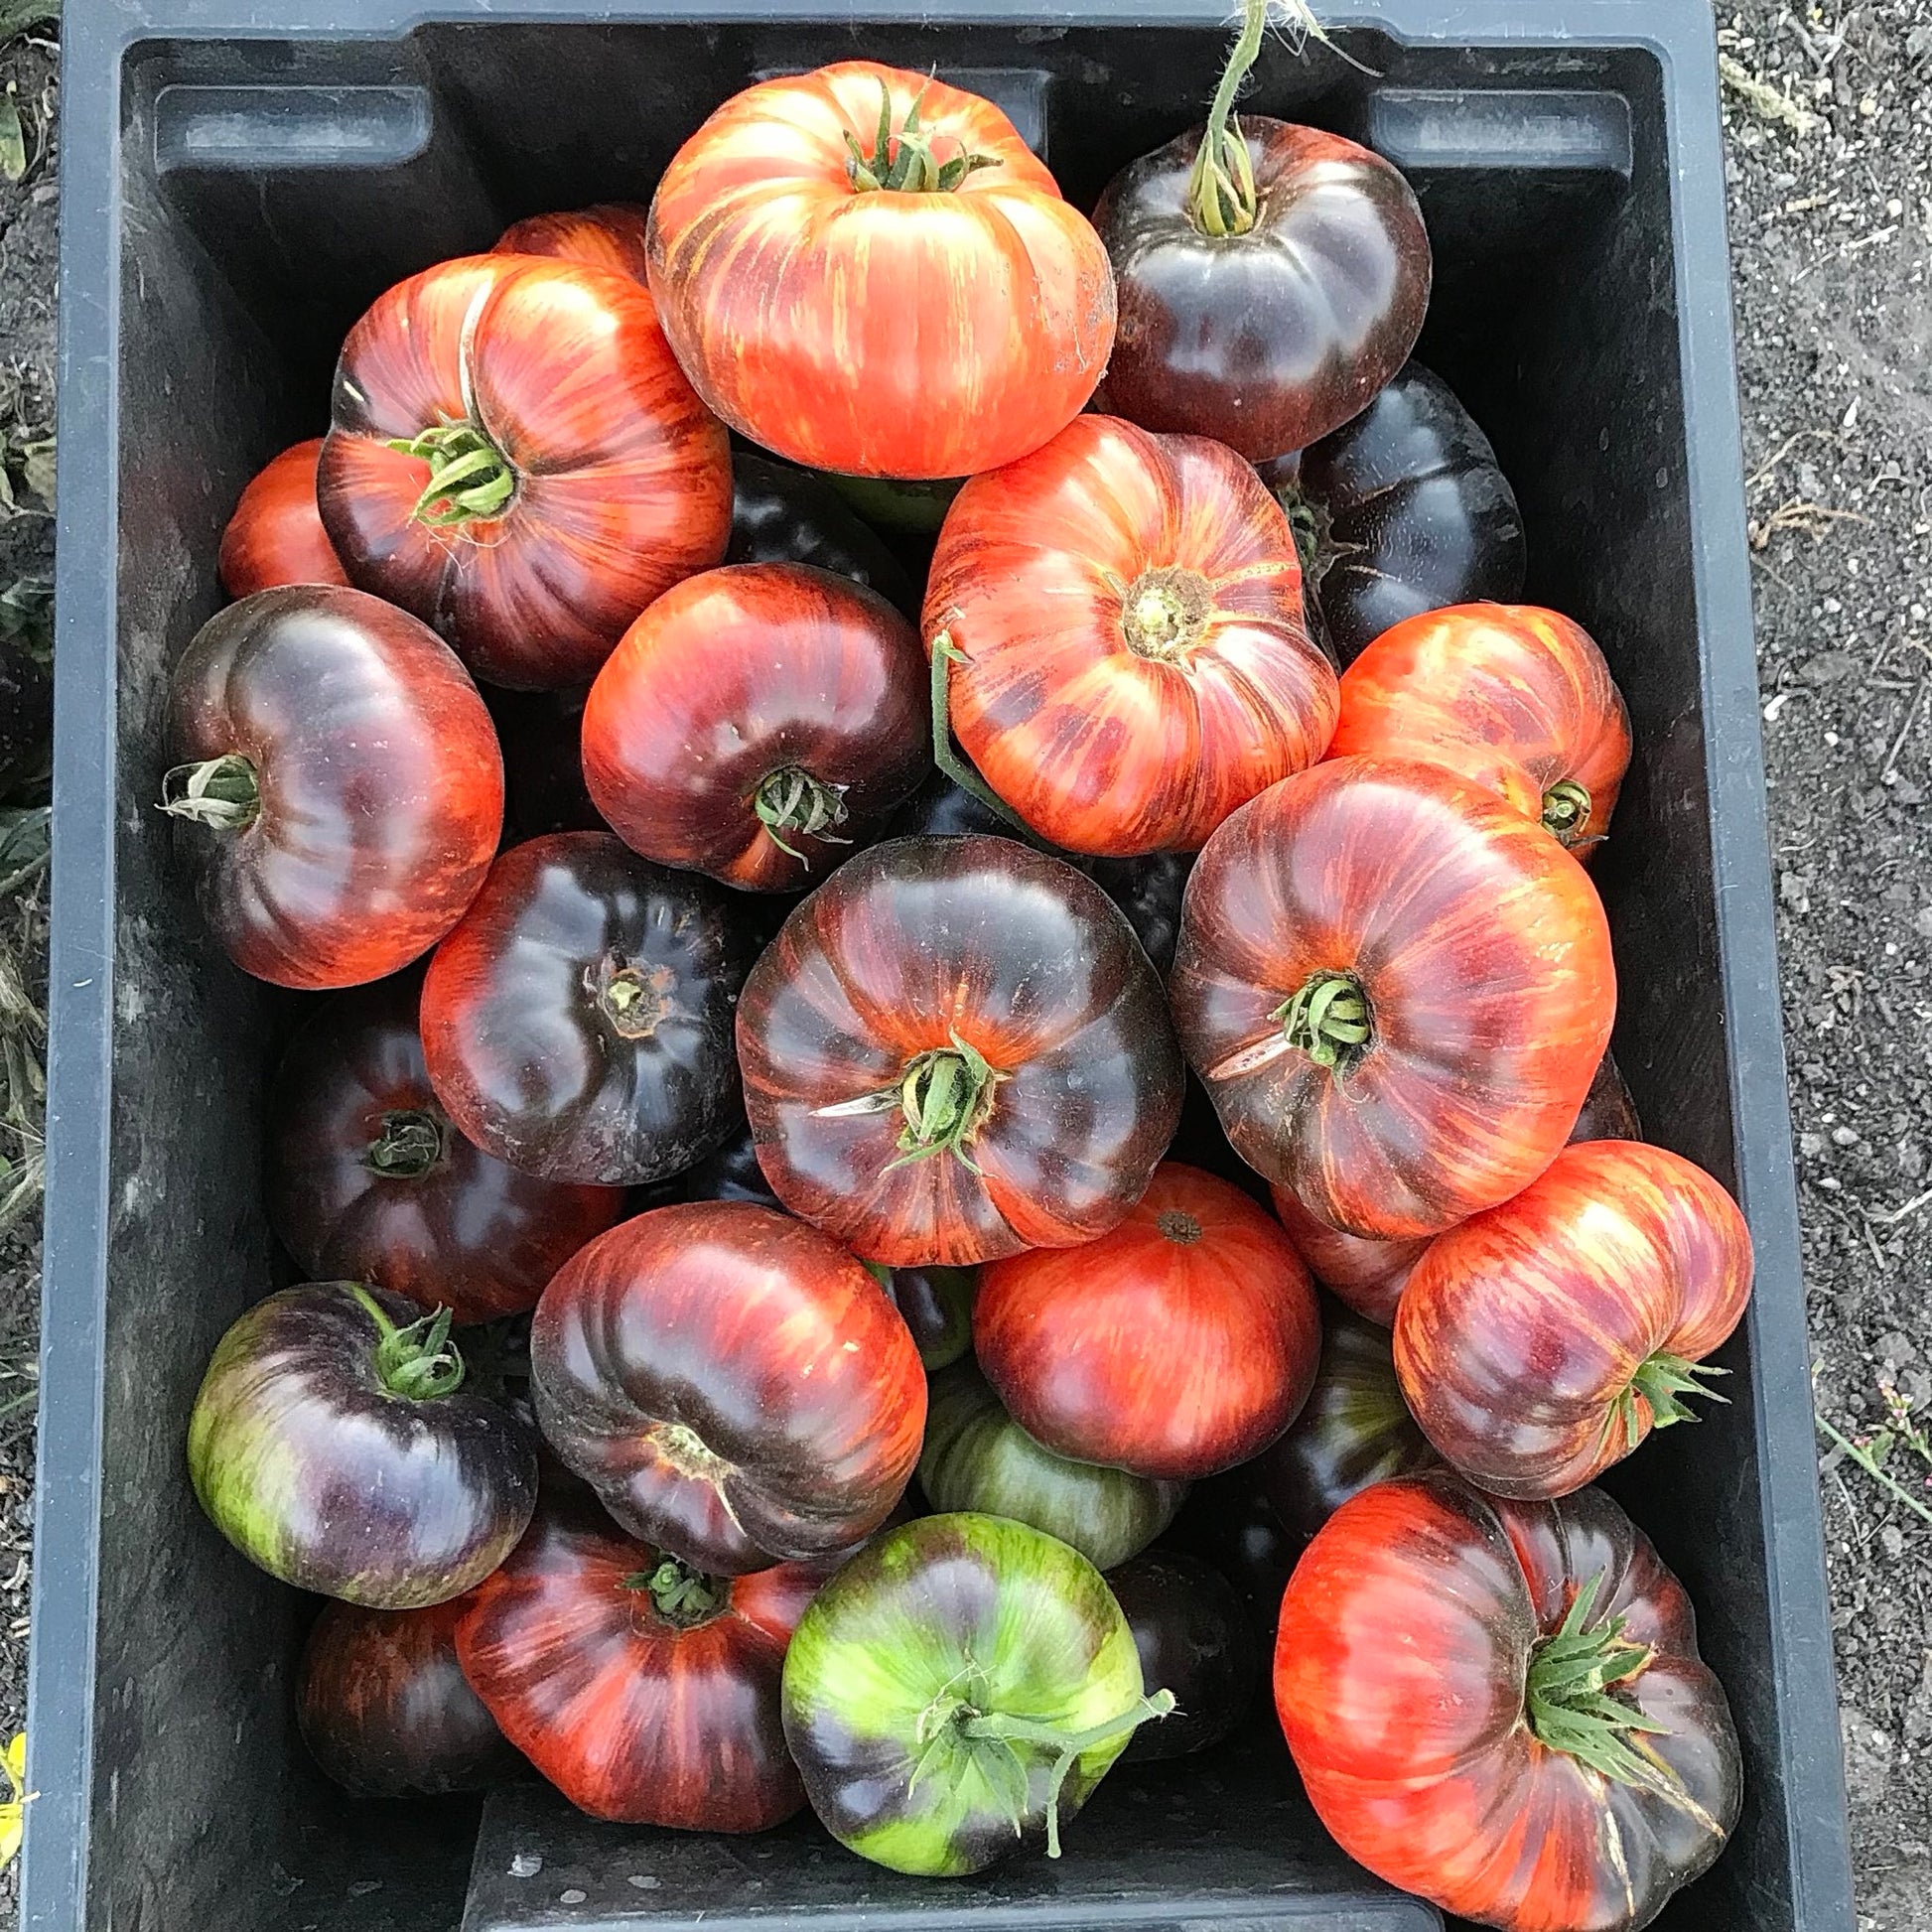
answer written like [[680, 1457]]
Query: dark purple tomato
[[1354, 1428], [782, 515], [367, 1180], [385, 1710], [578, 1022], [1150, 891], [1402, 510], [945, 810], [334, 1445], [1230, 1525], [1195, 1637], [1271, 278]]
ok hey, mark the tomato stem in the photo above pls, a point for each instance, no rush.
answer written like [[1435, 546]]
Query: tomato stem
[[908, 166], [959, 769], [1566, 811], [419, 1362], [1165, 614], [469, 476], [1183, 1230], [1662, 1381], [224, 792], [682, 1594], [790, 799], [409, 1146], [945, 1095], [634, 1000], [1067, 1746], [1567, 1697], [1221, 189], [1329, 1019]]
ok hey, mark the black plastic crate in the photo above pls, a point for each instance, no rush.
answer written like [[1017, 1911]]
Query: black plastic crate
[[242, 178]]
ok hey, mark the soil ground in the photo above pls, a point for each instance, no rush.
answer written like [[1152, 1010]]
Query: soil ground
[[1830, 110]]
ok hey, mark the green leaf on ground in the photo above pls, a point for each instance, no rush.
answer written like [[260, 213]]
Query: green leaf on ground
[[13, 139]]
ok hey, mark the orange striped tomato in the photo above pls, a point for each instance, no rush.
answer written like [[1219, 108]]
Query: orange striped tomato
[[1501, 1707], [867, 271], [1130, 656], [1363, 1273], [1396, 990], [1517, 698], [607, 235], [1542, 1341]]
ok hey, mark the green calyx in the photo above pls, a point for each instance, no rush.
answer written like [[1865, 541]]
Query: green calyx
[[994, 1743], [1566, 811], [1329, 1021], [682, 1595], [1221, 189], [469, 476], [224, 792], [409, 1146], [1662, 1381], [418, 1363], [792, 800], [908, 166], [945, 1095], [1567, 1698]]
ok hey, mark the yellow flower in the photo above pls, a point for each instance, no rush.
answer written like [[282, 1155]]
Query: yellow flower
[[14, 1763]]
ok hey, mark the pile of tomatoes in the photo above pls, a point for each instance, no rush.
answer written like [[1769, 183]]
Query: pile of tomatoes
[[756, 1348]]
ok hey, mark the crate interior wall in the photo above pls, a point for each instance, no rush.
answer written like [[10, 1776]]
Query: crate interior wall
[[259, 187]]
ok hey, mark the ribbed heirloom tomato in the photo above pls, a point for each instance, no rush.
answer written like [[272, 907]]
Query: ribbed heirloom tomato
[[1179, 1344], [275, 535], [1542, 1341], [515, 458], [1122, 617], [866, 270], [755, 722], [338, 782], [1501, 1707], [368, 1181], [646, 1691], [1396, 987], [732, 1383], [954, 1049], [1517, 699]]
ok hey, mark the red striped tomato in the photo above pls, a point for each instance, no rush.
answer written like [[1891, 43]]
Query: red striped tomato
[[1542, 1341], [1130, 656], [275, 536], [607, 235], [869, 271]]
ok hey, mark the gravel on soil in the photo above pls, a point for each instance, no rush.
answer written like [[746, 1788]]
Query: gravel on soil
[[1828, 107]]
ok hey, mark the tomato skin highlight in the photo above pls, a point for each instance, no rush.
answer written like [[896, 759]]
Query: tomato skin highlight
[[1129, 659], [785, 290], [632, 1716], [1516, 698], [1271, 339], [621, 479], [737, 1389], [385, 1710], [1177, 1345], [577, 1022], [733, 682], [608, 234], [1524, 1335], [1483, 957], [1407, 1638], [275, 535], [906, 949], [368, 1181], [379, 783]]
